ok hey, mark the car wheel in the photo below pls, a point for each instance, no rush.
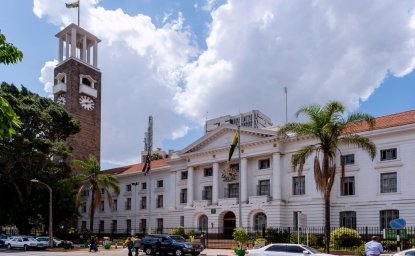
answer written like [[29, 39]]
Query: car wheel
[[9, 247], [148, 251], [195, 254], [25, 247], [178, 252]]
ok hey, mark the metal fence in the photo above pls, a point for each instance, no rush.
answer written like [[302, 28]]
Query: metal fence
[[340, 238]]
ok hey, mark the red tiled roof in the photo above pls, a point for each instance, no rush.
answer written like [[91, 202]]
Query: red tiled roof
[[398, 119], [136, 167]]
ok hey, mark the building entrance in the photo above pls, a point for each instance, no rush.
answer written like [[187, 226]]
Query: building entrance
[[229, 223]]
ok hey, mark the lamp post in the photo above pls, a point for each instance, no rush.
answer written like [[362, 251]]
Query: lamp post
[[135, 184], [50, 210]]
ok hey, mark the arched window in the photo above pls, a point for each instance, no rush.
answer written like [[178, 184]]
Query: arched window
[[203, 222], [260, 221]]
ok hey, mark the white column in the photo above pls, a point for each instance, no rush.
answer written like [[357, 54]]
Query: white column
[[84, 48], [215, 185], [67, 46], [73, 42], [95, 64], [172, 195], [190, 186], [244, 180], [60, 50], [276, 176], [88, 55]]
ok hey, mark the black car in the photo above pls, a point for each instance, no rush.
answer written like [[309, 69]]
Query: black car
[[174, 244]]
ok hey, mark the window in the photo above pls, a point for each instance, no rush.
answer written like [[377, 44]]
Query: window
[[143, 202], [348, 159], [114, 205], [144, 185], [296, 215], [128, 203], [299, 185], [86, 81], [160, 225], [182, 221], [264, 164], [160, 201], [143, 225], [348, 219], [260, 222], [183, 196], [128, 187], [102, 191], [85, 192], [207, 193], [388, 154], [386, 216], [232, 191], [207, 172], [102, 206], [128, 224], [276, 248], [235, 167], [295, 249], [347, 186], [263, 188], [160, 183], [203, 222], [183, 175], [388, 182], [114, 226], [101, 226], [83, 225], [83, 208]]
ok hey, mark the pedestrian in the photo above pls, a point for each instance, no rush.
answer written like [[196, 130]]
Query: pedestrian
[[158, 248], [130, 246], [374, 247], [93, 244], [137, 245], [203, 239]]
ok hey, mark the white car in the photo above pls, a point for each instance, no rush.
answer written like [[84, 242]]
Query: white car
[[23, 242], [406, 252], [56, 242], [285, 249]]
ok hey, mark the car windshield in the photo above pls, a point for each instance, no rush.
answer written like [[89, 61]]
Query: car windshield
[[311, 249], [32, 239], [178, 238]]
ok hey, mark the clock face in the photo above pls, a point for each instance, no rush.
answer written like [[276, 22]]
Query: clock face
[[87, 102], [61, 100]]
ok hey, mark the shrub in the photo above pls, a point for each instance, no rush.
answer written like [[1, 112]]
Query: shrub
[[360, 251], [107, 246], [345, 237], [313, 239], [178, 231], [191, 233], [240, 235], [277, 235]]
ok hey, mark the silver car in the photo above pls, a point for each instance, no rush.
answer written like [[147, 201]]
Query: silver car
[[23, 242], [406, 252], [285, 249]]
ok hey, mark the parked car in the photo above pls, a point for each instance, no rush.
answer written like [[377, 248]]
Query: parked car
[[3, 238], [56, 242], [285, 249], [174, 244], [406, 252], [23, 242]]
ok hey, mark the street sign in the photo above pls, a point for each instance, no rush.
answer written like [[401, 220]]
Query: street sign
[[397, 223]]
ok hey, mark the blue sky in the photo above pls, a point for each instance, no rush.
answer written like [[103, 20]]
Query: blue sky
[[185, 61]]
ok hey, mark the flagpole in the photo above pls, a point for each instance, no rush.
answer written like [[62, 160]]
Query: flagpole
[[239, 167], [79, 8], [150, 144], [286, 104]]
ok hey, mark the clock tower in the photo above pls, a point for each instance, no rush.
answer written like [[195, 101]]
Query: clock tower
[[77, 86]]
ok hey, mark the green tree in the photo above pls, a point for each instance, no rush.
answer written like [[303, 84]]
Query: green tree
[[34, 152], [328, 125], [8, 118], [93, 180]]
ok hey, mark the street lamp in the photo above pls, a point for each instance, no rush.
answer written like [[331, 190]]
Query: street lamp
[[135, 184], [50, 210]]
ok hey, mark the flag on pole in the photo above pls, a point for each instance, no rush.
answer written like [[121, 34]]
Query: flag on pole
[[72, 5], [233, 145], [147, 165]]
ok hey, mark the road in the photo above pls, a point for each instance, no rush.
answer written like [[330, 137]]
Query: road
[[76, 252]]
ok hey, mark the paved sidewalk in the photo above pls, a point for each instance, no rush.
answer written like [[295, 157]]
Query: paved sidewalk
[[217, 252]]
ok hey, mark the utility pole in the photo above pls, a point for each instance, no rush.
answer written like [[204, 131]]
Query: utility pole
[[148, 144]]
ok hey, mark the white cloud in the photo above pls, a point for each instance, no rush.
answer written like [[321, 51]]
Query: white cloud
[[46, 75], [320, 50]]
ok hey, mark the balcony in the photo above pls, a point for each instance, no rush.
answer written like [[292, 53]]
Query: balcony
[[59, 88], [227, 201], [201, 203], [259, 199], [87, 90]]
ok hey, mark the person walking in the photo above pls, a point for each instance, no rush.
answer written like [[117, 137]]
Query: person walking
[[137, 245], [130, 246], [374, 247], [158, 248], [203, 239]]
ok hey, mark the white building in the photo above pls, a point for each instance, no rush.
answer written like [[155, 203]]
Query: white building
[[253, 119], [187, 188]]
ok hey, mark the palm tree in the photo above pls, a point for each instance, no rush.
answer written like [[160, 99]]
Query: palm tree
[[331, 129], [94, 180]]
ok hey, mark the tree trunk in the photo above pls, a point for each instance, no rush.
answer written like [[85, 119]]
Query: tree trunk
[[92, 213], [327, 222]]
